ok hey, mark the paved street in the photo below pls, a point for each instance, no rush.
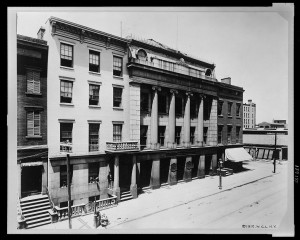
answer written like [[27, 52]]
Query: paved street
[[254, 197]]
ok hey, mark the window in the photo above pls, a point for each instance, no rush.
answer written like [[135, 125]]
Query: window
[[94, 61], [117, 132], [33, 82], [193, 135], [94, 172], [63, 175], [193, 107], [33, 123], [206, 108], [238, 106], [237, 134], [117, 66], [142, 55], [161, 135], [66, 137], [229, 108], [66, 91], [220, 129], [229, 134], [145, 101], [177, 134], [118, 97], [162, 103], [94, 137], [220, 106], [205, 130], [66, 55], [94, 95], [143, 134], [178, 106]]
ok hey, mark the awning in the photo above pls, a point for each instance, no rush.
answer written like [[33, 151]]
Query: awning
[[31, 164], [237, 155]]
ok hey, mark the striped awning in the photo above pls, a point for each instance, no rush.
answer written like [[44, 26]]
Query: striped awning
[[237, 155], [31, 164]]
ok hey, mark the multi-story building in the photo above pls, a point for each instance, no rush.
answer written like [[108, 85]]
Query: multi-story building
[[136, 108], [32, 150], [249, 114]]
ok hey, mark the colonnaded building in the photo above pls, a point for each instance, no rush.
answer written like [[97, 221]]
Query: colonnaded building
[[147, 113]]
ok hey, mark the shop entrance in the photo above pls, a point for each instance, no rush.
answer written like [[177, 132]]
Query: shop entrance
[[208, 159], [145, 173], [164, 170], [180, 168], [125, 171], [195, 160], [31, 180]]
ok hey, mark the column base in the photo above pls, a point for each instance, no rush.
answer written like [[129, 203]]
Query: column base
[[200, 143], [187, 145], [201, 176], [172, 145], [134, 191], [172, 183], [117, 192], [188, 180], [155, 187]]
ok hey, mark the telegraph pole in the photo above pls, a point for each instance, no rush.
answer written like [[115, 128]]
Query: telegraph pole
[[275, 151], [69, 190]]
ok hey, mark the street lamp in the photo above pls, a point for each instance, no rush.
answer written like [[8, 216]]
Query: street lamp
[[220, 172]]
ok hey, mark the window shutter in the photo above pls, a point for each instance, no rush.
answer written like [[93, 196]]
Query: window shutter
[[37, 124], [30, 124]]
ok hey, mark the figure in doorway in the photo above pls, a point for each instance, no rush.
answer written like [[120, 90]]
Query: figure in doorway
[[110, 180]]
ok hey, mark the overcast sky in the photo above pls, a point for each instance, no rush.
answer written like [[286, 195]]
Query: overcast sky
[[249, 47]]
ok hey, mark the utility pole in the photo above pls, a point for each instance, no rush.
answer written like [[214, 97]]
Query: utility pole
[[121, 28], [220, 173], [69, 190], [275, 151]]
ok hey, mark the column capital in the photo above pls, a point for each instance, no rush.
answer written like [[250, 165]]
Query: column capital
[[173, 91], [202, 96], [156, 88], [189, 94]]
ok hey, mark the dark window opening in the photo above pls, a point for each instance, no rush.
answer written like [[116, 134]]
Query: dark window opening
[[94, 61], [192, 135], [208, 72], [178, 106], [63, 175], [229, 108], [117, 66], [238, 106], [65, 204], [94, 95], [66, 55], [177, 134], [94, 172], [143, 135], [220, 106], [194, 107], [161, 135], [205, 130], [142, 55], [145, 101], [118, 97], [162, 103], [207, 108], [220, 129], [237, 134], [229, 128]]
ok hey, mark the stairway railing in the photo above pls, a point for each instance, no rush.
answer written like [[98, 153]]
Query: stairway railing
[[19, 209], [50, 200]]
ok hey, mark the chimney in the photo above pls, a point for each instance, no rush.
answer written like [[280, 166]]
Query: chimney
[[40, 34], [226, 80]]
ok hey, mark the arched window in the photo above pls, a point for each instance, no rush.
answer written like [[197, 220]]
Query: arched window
[[142, 55], [208, 72]]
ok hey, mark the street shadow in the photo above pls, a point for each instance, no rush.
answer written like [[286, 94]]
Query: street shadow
[[237, 167]]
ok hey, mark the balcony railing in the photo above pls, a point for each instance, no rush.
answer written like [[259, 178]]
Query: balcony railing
[[66, 147], [175, 68], [122, 146], [83, 209]]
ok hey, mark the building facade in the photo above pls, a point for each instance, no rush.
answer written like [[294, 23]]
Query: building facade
[[137, 109], [249, 114], [32, 150]]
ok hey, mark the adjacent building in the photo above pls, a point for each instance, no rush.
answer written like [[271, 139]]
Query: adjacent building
[[32, 149], [146, 113], [249, 114]]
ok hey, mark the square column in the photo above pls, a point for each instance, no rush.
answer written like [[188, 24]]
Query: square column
[[116, 190], [214, 165], [187, 176], [201, 167], [155, 174], [19, 179], [45, 177], [133, 186], [172, 180], [154, 119]]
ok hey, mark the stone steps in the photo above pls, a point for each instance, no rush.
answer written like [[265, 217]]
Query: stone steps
[[125, 196]]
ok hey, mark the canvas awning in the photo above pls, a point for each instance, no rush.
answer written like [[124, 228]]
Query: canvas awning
[[237, 155], [31, 164]]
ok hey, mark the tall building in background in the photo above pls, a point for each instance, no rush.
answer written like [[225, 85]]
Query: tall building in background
[[249, 114]]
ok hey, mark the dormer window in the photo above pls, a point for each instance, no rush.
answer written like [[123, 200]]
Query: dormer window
[[142, 55], [208, 72]]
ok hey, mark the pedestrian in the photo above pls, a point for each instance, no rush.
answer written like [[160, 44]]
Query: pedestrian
[[110, 180]]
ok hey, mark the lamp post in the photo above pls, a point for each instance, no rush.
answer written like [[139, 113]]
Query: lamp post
[[69, 191], [220, 173], [275, 151]]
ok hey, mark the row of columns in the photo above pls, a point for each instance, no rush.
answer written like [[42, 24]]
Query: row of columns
[[155, 172], [172, 120]]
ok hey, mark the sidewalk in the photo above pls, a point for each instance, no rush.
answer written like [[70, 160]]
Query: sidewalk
[[153, 201]]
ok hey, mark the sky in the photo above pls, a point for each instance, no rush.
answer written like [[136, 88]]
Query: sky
[[251, 47]]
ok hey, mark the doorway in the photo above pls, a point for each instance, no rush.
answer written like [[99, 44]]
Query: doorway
[[31, 180], [180, 168], [145, 173], [195, 160], [208, 159], [125, 173], [164, 169]]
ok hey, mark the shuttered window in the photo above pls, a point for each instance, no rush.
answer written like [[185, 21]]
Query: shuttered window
[[33, 123], [33, 81]]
